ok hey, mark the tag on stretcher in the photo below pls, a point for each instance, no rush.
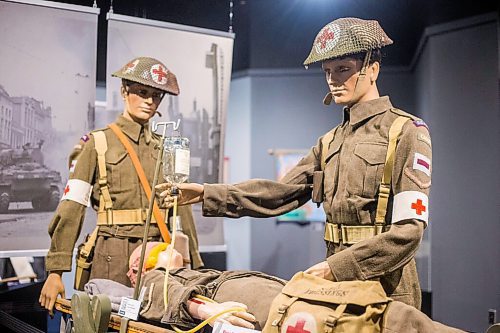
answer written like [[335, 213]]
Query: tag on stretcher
[[130, 307], [221, 327]]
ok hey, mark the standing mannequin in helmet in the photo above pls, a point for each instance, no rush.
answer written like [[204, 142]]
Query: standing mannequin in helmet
[[374, 190], [145, 81]]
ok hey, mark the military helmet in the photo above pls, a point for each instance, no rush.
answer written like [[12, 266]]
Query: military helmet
[[346, 36], [150, 72]]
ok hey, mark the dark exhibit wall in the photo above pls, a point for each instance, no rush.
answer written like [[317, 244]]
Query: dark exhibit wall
[[459, 98]]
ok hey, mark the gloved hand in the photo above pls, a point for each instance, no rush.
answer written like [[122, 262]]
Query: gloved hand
[[52, 287]]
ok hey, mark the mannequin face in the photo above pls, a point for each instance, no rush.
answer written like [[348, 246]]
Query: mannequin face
[[342, 75], [141, 102]]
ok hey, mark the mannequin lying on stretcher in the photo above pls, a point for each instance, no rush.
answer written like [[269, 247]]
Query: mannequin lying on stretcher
[[252, 291], [188, 291]]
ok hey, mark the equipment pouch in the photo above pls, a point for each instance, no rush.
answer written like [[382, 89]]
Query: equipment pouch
[[309, 303], [84, 257], [317, 193]]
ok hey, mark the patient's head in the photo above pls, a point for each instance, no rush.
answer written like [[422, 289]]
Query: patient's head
[[156, 255]]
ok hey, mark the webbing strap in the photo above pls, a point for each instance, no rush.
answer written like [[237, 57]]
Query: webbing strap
[[385, 184], [82, 262], [125, 217], [142, 177], [282, 311], [101, 146]]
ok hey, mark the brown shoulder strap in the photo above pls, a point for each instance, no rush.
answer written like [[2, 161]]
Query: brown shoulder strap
[[145, 185]]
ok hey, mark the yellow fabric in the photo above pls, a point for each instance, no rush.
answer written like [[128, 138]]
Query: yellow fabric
[[153, 255]]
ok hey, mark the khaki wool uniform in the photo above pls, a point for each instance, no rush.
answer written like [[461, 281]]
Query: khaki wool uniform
[[114, 243], [228, 286], [352, 174]]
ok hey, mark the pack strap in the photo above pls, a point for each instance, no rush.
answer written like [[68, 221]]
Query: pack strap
[[142, 177], [82, 263], [105, 202], [282, 311], [331, 320], [385, 184]]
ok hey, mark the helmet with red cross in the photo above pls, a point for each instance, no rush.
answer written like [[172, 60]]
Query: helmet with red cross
[[150, 72], [346, 36]]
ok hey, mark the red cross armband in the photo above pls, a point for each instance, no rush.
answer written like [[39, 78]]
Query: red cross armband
[[410, 205], [77, 190]]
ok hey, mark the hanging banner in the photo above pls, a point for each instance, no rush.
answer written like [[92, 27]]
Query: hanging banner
[[47, 94], [310, 212], [201, 59]]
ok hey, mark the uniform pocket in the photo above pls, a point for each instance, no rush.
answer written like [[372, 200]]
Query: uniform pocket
[[366, 168], [117, 164]]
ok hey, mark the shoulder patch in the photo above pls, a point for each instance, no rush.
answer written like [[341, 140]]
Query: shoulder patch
[[424, 138], [85, 138], [420, 123]]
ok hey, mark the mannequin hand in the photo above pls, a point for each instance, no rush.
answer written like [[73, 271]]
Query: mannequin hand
[[52, 287], [321, 270], [206, 310], [189, 193]]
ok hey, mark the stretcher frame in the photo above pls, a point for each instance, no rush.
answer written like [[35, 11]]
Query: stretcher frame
[[64, 306]]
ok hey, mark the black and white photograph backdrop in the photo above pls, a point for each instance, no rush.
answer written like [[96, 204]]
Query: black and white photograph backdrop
[[47, 96]]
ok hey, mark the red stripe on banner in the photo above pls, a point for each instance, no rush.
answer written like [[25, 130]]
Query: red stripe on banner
[[423, 163]]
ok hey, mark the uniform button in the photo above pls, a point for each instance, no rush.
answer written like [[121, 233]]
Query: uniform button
[[108, 258]]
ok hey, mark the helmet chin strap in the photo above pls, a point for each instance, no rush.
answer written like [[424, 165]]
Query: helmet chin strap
[[362, 74]]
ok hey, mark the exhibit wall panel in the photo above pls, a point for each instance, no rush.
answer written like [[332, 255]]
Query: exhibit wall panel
[[201, 59], [47, 95], [238, 156], [463, 111], [287, 113]]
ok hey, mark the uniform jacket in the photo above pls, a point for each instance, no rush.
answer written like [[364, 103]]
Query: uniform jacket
[[124, 187], [255, 289], [352, 174]]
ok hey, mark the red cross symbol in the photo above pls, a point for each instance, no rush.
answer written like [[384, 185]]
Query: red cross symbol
[[66, 189], [160, 72], [131, 65], [325, 36], [419, 208], [298, 328]]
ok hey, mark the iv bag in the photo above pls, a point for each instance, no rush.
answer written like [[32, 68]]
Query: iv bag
[[176, 159]]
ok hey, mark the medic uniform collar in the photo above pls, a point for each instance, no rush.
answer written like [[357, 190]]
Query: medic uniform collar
[[364, 110], [129, 127]]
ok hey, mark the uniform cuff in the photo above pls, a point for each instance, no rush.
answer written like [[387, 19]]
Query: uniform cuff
[[214, 199], [58, 261], [345, 267]]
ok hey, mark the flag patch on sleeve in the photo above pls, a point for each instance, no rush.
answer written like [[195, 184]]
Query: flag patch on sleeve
[[410, 205], [422, 163], [72, 166], [77, 190]]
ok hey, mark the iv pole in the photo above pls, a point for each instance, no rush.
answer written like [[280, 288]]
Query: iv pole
[[155, 126]]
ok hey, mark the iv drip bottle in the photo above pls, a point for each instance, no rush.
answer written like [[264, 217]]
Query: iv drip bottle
[[176, 159], [181, 241]]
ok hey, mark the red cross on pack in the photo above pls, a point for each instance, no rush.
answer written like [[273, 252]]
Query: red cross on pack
[[77, 190], [410, 205], [300, 322]]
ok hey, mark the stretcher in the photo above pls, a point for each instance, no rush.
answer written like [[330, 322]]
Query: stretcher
[[115, 321]]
